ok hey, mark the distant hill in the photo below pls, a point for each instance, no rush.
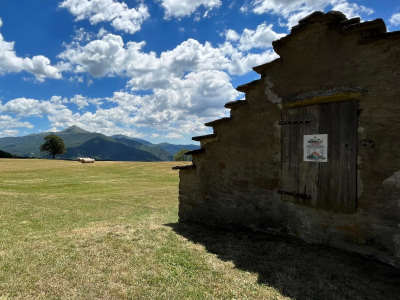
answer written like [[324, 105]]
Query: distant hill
[[4, 154], [23, 146], [105, 149], [80, 142], [173, 149], [144, 146], [164, 151], [140, 141]]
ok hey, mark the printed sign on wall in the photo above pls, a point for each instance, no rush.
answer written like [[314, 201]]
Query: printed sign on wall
[[316, 147]]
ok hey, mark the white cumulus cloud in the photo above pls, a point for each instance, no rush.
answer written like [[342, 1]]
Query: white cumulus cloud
[[80, 101], [231, 35], [351, 10], [110, 56], [31, 107], [97, 57], [8, 122], [294, 10], [117, 13], [395, 19], [185, 86], [262, 37], [39, 65], [182, 8]]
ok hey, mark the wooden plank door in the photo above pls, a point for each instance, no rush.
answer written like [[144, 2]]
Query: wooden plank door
[[330, 185]]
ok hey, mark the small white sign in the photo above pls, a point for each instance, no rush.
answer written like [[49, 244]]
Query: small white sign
[[316, 147]]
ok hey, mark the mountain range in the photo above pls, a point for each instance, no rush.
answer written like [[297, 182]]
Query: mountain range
[[82, 143]]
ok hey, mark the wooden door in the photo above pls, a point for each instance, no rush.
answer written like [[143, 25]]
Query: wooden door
[[330, 185]]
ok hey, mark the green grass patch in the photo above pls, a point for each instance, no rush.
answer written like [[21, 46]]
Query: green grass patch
[[109, 230]]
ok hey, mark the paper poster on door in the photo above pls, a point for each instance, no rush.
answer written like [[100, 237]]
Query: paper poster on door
[[316, 147]]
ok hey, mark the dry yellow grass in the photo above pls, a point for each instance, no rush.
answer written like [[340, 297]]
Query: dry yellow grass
[[86, 231], [109, 231]]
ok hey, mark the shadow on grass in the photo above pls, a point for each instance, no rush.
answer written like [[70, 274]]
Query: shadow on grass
[[298, 269]]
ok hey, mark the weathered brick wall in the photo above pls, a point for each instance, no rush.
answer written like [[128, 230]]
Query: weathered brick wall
[[235, 182]]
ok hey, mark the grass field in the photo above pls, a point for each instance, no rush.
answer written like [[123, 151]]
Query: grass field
[[109, 230]]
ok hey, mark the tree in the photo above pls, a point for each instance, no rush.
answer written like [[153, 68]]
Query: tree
[[180, 156], [53, 144], [4, 154]]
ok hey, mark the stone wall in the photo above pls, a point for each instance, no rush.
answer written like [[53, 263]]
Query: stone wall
[[235, 177]]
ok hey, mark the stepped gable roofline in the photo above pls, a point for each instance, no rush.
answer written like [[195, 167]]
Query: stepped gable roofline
[[197, 151], [262, 69], [364, 32], [377, 25], [218, 121], [202, 137], [235, 103], [185, 167], [245, 87], [332, 17]]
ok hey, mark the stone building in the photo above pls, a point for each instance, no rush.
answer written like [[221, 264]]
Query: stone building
[[314, 149]]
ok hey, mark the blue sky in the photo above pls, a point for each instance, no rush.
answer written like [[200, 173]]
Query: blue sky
[[154, 69]]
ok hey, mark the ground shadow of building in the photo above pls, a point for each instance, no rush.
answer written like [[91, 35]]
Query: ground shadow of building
[[297, 269]]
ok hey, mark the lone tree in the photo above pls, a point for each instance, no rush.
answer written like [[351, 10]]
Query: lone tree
[[53, 144], [180, 156]]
